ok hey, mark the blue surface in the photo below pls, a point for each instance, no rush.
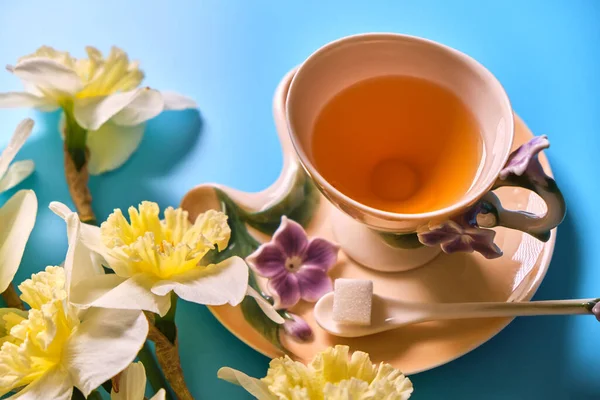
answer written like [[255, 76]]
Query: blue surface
[[230, 55]]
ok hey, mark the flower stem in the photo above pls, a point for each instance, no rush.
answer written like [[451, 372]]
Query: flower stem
[[167, 353], [75, 138], [153, 372], [76, 172], [166, 325], [11, 298], [77, 395]]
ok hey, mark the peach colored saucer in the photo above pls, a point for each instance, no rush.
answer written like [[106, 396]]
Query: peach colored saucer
[[448, 278]]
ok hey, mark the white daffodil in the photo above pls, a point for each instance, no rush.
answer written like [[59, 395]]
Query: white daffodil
[[152, 258], [132, 385], [17, 215], [56, 346], [100, 95]]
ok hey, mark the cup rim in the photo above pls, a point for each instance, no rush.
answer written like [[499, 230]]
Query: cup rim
[[467, 200]]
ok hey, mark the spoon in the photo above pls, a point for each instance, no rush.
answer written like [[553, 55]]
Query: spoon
[[390, 314]]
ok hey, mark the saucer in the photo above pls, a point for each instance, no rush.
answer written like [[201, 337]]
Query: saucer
[[462, 277]]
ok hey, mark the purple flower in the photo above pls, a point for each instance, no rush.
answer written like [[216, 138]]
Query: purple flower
[[297, 328], [596, 311], [525, 158], [453, 237], [295, 266]]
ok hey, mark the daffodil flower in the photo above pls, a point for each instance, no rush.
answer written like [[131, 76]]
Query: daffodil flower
[[101, 95], [332, 375], [56, 346], [17, 215], [131, 385], [152, 258]]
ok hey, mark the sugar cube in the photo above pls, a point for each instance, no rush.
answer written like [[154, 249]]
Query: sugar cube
[[352, 299]]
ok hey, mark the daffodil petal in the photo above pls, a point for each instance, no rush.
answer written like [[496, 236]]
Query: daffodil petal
[[213, 285], [93, 112], [17, 141], [112, 145], [3, 312], [17, 173], [255, 387], [265, 306], [132, 383], [105, 343], [54, 384], [147, 104], [50, 76], [17, 218], [89, 234], [176, 101], [27, 100], [160, 395], [113, 291], [79, 263]]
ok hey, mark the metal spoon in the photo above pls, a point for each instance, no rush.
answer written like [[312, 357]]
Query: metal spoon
[[390, 314]]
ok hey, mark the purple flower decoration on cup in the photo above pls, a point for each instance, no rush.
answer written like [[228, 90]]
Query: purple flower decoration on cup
[[596, 311], [524, 159], [297, 328], [295, 266], [453, 237]]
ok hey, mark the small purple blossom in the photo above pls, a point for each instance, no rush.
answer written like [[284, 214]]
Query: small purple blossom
[[525, 158], [453, 237], [295, 266], [596, 311], [298, 328]]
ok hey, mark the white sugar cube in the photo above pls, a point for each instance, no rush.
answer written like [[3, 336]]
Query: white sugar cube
[[352, 299]]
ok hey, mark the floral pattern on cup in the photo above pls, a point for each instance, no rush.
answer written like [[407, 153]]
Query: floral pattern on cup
[[467, 231], [524, 160], [453, 237], [296, 267], [297, 328]]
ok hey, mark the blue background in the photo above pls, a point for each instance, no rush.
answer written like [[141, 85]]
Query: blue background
[[230, 55]]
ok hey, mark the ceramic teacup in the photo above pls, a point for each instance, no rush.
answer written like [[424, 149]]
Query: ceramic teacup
[[392, 241]]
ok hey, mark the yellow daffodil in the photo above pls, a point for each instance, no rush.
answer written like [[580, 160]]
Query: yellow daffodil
[[332, 375], [17, 215], [101, 95], [56, 346], [132, 385], [152, 258]]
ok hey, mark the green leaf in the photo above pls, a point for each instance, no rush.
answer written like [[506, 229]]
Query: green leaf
[[401, 241], [298, 205], [259, 321]]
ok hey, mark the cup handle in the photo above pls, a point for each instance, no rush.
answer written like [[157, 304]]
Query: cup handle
[[468, 231]]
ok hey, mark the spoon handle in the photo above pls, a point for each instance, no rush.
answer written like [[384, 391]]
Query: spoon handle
[[509, 309]]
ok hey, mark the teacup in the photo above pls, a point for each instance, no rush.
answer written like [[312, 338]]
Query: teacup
[[390, 241]]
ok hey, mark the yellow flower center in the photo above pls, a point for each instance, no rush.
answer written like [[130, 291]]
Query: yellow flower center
[[145, 244], [35, 340]]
